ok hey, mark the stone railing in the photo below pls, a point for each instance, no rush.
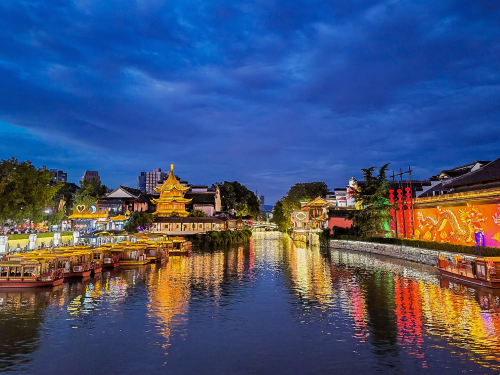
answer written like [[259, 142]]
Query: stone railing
[[416, 254]]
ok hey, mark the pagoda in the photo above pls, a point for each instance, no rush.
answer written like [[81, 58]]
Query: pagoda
[[171, 201]]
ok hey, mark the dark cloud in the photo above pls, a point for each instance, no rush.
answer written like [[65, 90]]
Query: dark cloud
[[269, 93]]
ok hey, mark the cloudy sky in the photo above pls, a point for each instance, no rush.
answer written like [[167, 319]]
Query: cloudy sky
[[265, 92]]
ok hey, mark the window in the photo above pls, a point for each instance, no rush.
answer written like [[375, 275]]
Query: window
[[15, 271], [29, 272], [4, 271], [481, 270]]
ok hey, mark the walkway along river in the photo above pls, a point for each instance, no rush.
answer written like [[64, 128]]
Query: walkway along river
[[269, 308]]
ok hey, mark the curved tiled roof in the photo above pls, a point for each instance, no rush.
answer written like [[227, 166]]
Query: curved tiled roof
[[488, 173]]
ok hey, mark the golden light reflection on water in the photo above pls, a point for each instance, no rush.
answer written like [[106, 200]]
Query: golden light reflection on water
[[425, 307], [169, 293]]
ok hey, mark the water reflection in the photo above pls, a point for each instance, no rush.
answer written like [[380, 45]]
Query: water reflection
[[396, 316], [398, 305], [169, 295], [21, 315]]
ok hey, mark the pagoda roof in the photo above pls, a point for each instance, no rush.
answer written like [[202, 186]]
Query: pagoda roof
[[171, 199], [171, 183]]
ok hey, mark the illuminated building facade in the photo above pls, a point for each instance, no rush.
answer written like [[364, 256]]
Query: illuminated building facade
[[171, 201], [469, 214]]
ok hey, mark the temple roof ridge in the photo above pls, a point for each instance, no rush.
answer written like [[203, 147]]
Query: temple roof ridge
[[171, 183]]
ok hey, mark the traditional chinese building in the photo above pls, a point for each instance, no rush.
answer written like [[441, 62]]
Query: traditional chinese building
[[171, 201], [311, 218], [469, 214]]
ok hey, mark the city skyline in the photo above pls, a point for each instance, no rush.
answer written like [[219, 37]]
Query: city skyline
[[267, 94]]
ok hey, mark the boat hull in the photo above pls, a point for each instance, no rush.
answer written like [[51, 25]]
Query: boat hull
[[174, 253], [30, 284], [77, 274], [110, 265], [466, 279], [134, 263]]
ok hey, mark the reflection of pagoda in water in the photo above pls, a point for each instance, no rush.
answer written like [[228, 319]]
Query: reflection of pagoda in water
[[184, 281], [169, 295]]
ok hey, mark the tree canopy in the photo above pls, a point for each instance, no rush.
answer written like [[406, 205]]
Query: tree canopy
[[139, 221], [197, 213], [25, 190], [90, 192], [235, 196], [279, 217], [64, 199], [371, 220]]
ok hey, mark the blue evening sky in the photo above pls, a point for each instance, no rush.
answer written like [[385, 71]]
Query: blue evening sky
[[265, 92]]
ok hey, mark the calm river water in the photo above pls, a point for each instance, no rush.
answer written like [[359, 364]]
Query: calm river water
[[270, 308]]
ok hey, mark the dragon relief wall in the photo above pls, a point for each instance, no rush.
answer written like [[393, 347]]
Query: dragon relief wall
[[468, 225]]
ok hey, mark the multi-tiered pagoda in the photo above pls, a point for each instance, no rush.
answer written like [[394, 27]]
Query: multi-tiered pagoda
[[171, 201]]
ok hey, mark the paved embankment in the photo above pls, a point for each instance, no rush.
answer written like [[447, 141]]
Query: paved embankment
[[416, 254]]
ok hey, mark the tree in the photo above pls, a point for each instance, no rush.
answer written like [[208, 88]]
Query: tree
[[280, 218], [235, 196], [90, 192], [142, 220], [372, 217], [25, 191], [65, 196], [197, 213], [299, 192]]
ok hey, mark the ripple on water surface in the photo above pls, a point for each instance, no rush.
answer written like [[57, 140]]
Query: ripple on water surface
[[269, 307]]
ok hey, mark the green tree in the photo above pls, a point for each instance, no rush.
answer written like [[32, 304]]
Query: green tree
[[139, 219], [235, 196], [280, 218], [66, 195], [197, 213], [90, 192], [372, 218], [25, 191]]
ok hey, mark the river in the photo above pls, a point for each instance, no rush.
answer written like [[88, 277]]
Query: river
[[269, 308]]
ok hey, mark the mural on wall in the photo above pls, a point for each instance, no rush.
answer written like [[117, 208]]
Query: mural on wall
[[469, 225]]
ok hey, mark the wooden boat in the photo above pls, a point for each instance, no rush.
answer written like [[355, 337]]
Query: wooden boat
[[111, 257], [180, 247], [156, 252], [97, 260], [27, 273], [132, 255], [482, 271], [77, 264]]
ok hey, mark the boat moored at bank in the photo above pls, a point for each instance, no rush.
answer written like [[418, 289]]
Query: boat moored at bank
[[27, 273], [482, 271]]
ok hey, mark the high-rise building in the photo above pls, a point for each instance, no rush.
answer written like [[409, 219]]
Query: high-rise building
[[90, 175], [58, 175], [261, 201], [147, 181]]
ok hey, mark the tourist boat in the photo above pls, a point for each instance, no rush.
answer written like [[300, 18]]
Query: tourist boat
[[156, 252], [21, 272], [77, 263], [111, 257], [92, 256], [97, 260], [483, 271], [180, 246], [132, 255]]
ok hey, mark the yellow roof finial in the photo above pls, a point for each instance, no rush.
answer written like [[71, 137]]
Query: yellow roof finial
[[171, 167]]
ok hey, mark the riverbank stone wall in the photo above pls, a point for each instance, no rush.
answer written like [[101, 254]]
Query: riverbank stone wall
[[415, 254]]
